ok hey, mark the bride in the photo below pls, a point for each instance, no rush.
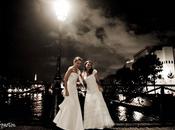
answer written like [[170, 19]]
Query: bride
[[96, 114], [69, 117]]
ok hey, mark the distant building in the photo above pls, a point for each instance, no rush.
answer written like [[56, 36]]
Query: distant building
[[35, 78], [166, 55]]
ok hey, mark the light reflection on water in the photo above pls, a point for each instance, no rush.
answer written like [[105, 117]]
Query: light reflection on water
[[122, 113], [37, 104], [137, 116], [21, 106], [33, 105], [125, 114]]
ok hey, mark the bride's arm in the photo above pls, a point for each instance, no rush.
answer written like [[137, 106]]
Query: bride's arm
[[98, 82], [66, 76]]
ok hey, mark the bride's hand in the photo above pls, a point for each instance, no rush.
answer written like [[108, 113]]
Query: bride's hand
[[100, 88], [66, 93]]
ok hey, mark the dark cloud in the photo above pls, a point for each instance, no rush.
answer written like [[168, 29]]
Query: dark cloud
[[93, 31], [100, 33]]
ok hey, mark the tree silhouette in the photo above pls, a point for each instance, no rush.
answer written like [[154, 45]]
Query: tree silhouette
[[147, 69], [125, 77], [144, 70]]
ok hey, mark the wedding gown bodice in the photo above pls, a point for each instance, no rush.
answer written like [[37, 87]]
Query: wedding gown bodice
[[73, 78], [92, 86], [71, 83]]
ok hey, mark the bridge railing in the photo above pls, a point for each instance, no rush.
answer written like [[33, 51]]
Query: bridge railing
[[162, 97], [146, 88]]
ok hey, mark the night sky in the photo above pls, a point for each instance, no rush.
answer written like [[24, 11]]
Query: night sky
[[109, 32]]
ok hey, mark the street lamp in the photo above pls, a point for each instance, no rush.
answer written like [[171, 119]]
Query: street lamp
[[61, 9]]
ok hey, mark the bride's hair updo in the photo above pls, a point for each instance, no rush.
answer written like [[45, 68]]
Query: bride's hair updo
[[77, 58]]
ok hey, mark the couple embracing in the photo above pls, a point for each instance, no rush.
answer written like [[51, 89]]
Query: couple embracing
[[96, 114]]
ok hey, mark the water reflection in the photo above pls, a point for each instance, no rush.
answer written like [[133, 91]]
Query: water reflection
[[122, 113], [37, 104], [137, 116], [23, 106], [32, 106]]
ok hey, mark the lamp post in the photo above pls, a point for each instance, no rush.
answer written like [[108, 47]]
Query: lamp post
[[61, 9]]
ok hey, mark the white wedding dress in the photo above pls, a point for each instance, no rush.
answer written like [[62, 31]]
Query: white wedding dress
[[96, 114], [69, 117]]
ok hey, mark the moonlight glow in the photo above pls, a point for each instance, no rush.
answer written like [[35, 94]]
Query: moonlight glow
[[62, 9]]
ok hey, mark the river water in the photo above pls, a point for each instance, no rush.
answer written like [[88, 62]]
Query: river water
[[31, 107]]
